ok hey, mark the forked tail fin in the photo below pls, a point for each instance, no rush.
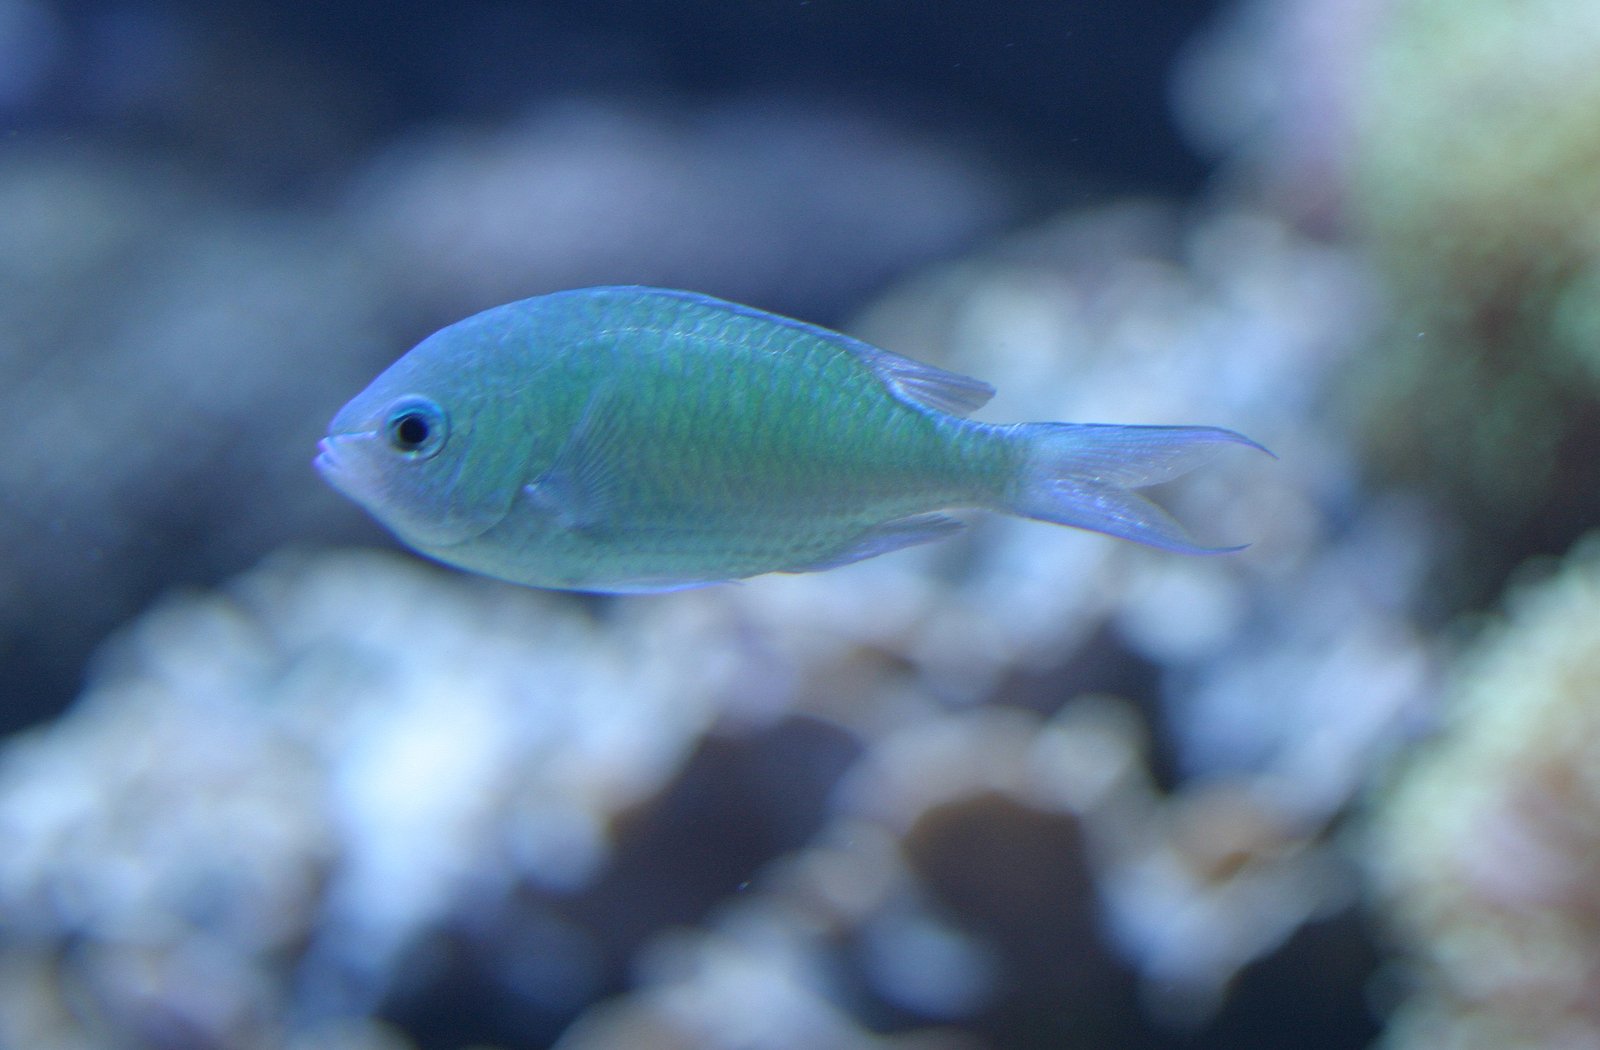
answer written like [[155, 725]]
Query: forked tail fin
[[1085, 474]]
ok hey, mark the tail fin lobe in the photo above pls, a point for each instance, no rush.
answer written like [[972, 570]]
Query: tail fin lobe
[[1084, 475]]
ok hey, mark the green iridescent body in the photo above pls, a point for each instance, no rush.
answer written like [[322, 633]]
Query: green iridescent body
[[641, 439]]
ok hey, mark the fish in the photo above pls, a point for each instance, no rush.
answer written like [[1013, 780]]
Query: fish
[[636, 439]]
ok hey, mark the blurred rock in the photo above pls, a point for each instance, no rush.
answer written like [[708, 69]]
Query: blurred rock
[[1478, 390], [1127, 315], [272, 798], [723, 995], [1486, 849], [271, 793], [1473, 187], [878, 793]]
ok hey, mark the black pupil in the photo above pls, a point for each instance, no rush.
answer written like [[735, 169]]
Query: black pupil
[[410, 430]]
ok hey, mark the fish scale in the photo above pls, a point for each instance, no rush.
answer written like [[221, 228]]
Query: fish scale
[[630, 439]]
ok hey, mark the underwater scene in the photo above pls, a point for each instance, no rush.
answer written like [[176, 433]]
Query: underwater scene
[[561, 524]]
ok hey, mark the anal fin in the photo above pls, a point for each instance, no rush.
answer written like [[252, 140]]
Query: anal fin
[[881, 539]]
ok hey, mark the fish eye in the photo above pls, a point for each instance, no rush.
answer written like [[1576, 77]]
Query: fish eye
[[417, 427]]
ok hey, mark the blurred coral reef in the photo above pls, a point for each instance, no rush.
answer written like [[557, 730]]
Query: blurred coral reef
[[1452, 146], [1468, 189], [1487, 850], [1025, 788], [907, 803], [1474, 189]]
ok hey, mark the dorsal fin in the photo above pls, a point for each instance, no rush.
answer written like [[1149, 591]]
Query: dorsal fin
[[924, 385], [917, 384]]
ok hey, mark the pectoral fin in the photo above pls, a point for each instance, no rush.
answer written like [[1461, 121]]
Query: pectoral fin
[[580, 489]]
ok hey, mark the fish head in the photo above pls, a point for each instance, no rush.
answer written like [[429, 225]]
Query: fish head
[[430, 449]]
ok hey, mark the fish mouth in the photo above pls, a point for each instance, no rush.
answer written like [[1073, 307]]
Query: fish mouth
[[327, 460], [345, 462], [333, 460]]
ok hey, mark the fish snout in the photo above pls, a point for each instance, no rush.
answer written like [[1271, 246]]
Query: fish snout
[[327, 459], [338, 460]]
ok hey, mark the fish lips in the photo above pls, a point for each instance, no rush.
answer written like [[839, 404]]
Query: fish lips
[[334, 461], [358, 465], [326, 461]]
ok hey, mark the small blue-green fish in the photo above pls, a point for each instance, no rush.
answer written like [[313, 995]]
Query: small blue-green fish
[[638, 439]]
